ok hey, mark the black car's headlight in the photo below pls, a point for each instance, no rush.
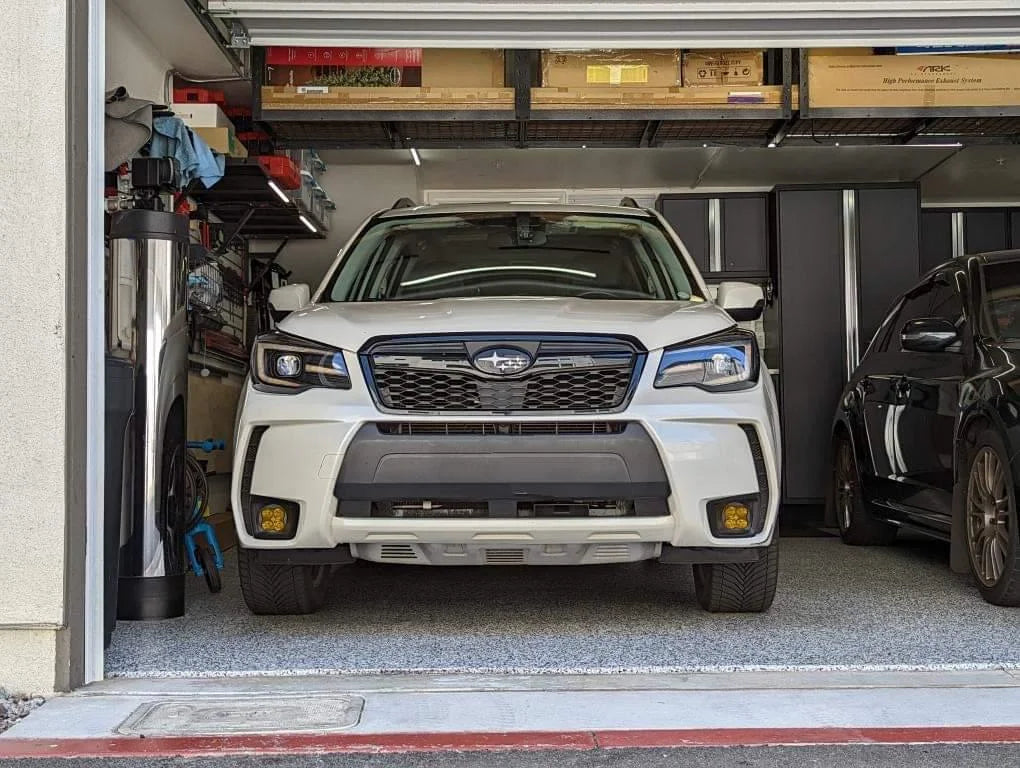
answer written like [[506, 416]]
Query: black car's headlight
[[727, 361], [282, 363]]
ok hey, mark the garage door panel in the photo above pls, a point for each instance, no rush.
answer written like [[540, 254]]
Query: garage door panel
[[659, 23]]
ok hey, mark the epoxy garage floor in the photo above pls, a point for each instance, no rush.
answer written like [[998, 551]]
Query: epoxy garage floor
[[836, 606]]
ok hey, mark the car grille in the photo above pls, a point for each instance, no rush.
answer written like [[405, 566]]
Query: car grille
[[567, 375]]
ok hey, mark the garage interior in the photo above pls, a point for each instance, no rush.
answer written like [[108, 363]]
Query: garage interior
[[762, 172]]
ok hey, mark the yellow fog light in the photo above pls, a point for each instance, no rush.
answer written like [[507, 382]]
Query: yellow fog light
[[273, 518], [736, 517]]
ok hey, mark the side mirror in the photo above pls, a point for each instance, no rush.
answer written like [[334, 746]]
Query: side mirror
[[289, 298], [744, 301], [928, 334]]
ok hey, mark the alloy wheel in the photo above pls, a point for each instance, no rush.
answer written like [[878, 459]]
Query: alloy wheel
[[846, 484], [988, 516]]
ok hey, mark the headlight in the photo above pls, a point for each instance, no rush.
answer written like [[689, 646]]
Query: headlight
[[726, 361], [282, 363]]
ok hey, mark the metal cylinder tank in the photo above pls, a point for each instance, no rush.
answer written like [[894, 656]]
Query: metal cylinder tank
[[152, 562]]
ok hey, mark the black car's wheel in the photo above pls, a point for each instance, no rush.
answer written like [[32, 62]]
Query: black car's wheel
[[990, 522], [857, 524], [279, 590], [739, 587]]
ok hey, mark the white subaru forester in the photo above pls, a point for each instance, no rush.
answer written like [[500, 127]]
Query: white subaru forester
[[508, 385]]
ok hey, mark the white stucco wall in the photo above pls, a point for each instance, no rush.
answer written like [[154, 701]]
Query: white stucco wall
[[132, 59], [32, 252]]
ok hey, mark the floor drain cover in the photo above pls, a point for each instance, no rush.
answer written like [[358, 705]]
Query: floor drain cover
[[253, 715]]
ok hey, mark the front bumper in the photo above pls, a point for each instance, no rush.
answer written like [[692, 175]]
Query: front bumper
[[699, 439]]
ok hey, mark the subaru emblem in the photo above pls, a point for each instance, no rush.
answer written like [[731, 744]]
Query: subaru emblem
[[502, 361]]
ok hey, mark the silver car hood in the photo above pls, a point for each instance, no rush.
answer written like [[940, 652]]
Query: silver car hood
[[655, 324]]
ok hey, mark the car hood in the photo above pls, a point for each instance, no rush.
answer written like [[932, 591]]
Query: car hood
[[654, 323]]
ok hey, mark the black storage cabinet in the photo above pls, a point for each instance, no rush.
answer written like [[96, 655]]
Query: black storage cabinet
[[841, 257], [979, 230], [727, 235]]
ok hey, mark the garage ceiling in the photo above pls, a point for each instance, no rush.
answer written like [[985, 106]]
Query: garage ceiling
[[652, 23], [176, 30]]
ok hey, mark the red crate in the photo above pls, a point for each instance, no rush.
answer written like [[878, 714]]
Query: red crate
[[199, 96], [282, 170], [256, 142]]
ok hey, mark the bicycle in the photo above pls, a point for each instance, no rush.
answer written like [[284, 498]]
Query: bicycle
[[206, 560]]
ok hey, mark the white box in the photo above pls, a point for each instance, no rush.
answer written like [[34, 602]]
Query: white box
[[202, 115]]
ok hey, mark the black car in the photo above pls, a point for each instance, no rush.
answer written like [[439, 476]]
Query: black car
[[927, 431]]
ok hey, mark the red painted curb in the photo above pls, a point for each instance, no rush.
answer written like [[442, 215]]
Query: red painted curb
[[294, 743], [756, 737], [347, 743]]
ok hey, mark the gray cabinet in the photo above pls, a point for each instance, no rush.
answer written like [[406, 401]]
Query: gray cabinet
[[948, 233], [688, 216], [843, 255], [936, 238], [726, 235], [985, 230]]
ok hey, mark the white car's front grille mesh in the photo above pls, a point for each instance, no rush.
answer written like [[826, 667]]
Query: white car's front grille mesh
[[573, 375]]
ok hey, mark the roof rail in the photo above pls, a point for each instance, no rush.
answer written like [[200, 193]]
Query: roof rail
[[404, 202], [629, 202]]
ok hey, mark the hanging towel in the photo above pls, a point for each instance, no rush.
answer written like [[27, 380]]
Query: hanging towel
[[128, 126], [172, 138]]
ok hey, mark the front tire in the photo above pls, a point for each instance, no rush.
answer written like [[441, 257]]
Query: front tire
[[857, 525], [739, 587], [272, 589], [990, 522]]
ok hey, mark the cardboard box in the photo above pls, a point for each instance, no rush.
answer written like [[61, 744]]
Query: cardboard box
[[705, 68], [462, 68], [866, 80], [573, 69], [201, 115], [320, 77], [325, 56], [222, 140]]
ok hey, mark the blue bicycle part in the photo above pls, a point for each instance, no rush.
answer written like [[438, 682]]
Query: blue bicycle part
[[208, 445], [203, 527], [205, 561]]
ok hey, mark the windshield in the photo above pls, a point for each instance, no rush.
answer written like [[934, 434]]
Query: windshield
[[589, 256], [1001, 300]]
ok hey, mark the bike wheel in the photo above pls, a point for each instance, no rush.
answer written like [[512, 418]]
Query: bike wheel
[[198, 490], [207, 560]]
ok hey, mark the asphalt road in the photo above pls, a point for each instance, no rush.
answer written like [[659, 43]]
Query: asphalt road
[[937, 756]]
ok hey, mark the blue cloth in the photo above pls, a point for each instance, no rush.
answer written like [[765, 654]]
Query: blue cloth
[[172, 138]]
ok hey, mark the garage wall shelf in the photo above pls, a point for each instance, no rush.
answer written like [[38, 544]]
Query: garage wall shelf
[[243, 198]]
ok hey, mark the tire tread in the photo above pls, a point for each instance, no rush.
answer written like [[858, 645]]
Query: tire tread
[[739, 587], [277, 590]]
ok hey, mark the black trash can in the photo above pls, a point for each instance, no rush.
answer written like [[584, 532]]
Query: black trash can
[[120, 392]]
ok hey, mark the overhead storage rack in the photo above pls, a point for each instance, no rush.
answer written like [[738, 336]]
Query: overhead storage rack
[[525, 115], [243, 200]]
